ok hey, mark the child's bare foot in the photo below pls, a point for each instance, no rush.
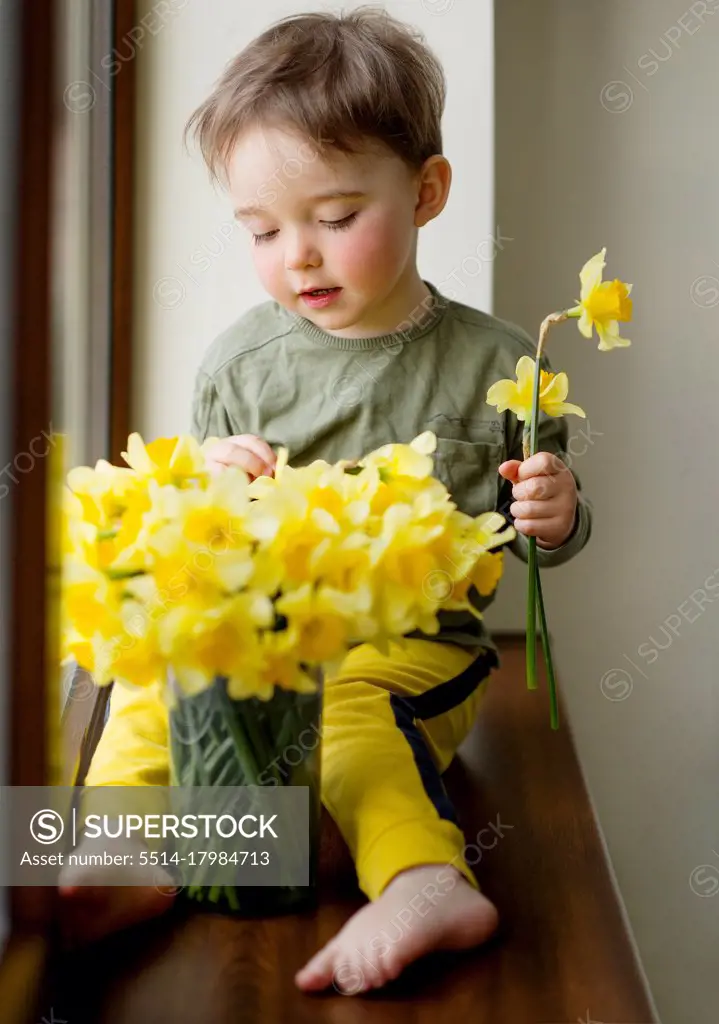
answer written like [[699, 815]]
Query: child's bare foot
[[423, 909]]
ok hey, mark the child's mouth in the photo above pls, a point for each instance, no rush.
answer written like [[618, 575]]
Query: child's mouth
[[320, 297]]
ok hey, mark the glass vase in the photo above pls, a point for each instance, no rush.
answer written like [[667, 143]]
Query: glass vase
[[216, 740]]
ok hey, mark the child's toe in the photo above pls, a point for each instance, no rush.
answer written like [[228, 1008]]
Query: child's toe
[[317, 972], [350, 977], [391, 965]]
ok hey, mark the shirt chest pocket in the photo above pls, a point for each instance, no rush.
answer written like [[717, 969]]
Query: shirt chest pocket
[[469, 471]]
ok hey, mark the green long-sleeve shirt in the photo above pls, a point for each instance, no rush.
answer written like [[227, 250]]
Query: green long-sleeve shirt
[[282, 378]]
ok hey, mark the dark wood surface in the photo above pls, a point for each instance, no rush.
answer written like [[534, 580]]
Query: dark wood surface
[[561, 954]]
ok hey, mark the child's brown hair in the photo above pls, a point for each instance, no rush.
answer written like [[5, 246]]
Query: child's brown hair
[[338, 79]]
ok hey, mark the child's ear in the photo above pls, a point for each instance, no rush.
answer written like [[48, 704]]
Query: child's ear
[[434, 180]]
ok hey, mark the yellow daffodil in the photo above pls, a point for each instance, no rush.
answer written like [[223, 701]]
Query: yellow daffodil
[[167, 459], [343, 564], [215, 517], [222, 640], [407, 556], [91, 602], [77, 536], [320, 616], [304, 508], [401, 473], [488, 572], [280, 665], [466, 559], [602, 304], [104, 493], [485, 532], [77, 647], [516, 395], [405, 460], [280, 463], [131, 655], [320, 485]]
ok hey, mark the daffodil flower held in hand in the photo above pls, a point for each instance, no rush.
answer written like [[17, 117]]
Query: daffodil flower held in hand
[[602, 304], [544, 489], [545, 493], [517, 395]]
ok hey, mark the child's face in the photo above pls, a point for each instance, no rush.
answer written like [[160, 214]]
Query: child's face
[[364, 245]]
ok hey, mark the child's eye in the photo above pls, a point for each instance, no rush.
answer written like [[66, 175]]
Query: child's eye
[[257, 239], [333, 225], [340, 225]]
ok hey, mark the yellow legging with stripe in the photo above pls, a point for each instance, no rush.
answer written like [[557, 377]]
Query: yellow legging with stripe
[[390, 726]]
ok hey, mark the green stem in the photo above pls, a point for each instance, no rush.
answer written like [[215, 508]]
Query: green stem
[[250, 768], [200, 762], [231, 897], [182, 711], [249, 763], [259, 742], [529, 445], [529, 448], [553, 703], [532, 580]]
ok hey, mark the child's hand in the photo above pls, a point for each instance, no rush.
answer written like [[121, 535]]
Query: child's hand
[[546, 498], [244, 450]]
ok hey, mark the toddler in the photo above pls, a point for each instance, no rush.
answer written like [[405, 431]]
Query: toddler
[[326, 133]]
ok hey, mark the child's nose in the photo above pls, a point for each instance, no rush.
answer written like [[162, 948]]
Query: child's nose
[[301, 252]]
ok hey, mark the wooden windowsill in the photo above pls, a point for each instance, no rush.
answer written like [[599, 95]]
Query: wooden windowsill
[[562, 953]]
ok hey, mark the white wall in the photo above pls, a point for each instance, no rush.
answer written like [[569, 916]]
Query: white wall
[[183, 222], [634, 166]]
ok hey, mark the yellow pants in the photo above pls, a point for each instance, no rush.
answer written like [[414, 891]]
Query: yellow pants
[[391, 725]]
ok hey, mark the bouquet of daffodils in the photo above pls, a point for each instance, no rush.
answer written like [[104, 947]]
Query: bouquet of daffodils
[[170, 568], [602, 306]]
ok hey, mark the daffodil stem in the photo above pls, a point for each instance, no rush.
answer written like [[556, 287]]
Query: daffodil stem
[[234, 725], [532, 615], [529, 448], [547, 651]]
